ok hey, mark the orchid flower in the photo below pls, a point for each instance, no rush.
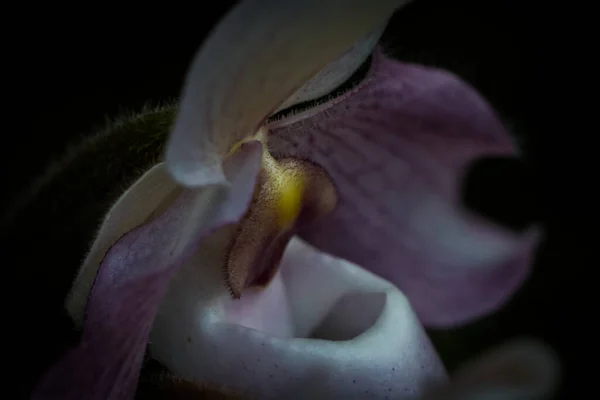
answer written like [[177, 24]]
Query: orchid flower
[[297, 257]]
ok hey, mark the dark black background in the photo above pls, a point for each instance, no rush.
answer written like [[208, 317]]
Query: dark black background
[[70, 69]]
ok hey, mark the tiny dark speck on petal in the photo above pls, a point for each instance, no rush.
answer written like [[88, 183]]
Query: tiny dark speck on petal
[[276, 366], [406, 389], [270, 375], [353, 380], [189, 339], [389, 389], [393, 368], [258, 359], [422, 367]]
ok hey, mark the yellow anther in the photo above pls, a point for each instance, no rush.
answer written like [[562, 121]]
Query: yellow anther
[[290, 202]]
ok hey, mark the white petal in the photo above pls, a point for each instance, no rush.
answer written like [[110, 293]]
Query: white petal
[[336, 72], [324, 328], [257, 57]]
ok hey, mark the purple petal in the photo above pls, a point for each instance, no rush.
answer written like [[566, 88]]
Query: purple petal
[[397, 149], [269, 344], [131, 282]]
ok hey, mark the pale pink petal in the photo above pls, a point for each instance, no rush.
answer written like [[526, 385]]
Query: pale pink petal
[[257, 57], [136, 206], [518, 370], [131, 282], [324, 329], [397, 149]]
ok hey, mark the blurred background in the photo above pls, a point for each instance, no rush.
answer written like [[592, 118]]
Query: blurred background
[[70, 69]]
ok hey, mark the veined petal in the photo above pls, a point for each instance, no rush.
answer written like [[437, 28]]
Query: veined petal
[[323, 328], [131, 281], [257, 57], [397, 150]]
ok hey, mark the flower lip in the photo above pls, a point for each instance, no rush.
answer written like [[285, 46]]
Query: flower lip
[[319, 326]]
